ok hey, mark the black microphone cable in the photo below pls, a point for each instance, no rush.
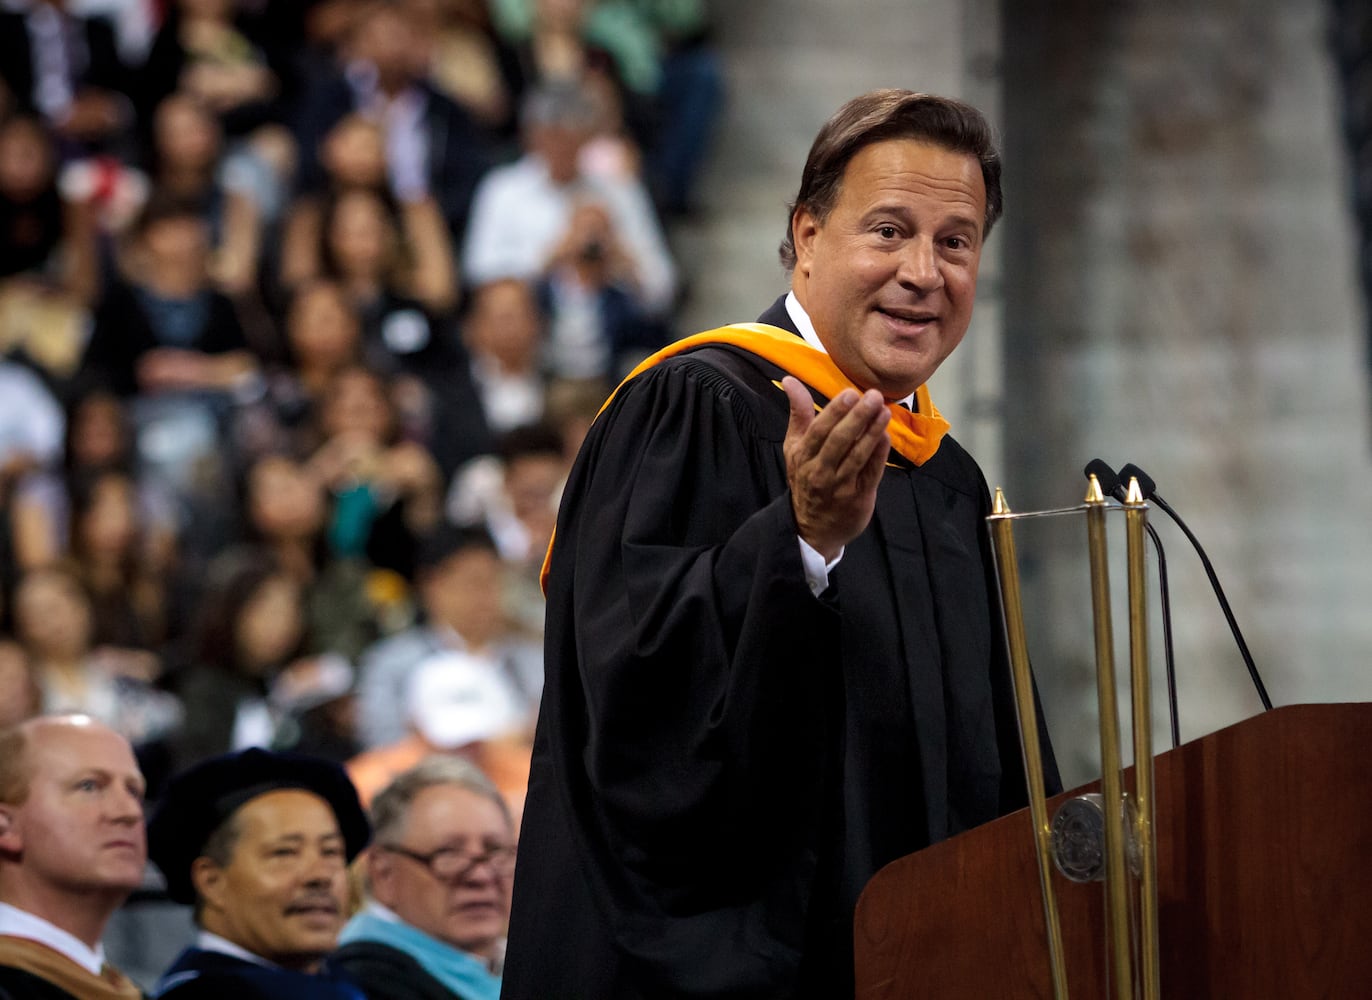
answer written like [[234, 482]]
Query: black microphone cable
[[1110, 483], [1149, 490]]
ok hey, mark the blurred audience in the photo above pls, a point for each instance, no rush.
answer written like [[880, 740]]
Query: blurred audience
[[386, 490], [465, 59], [432, 144], [250, 630], [68, 70], [97, 436], [128, 580], [234, 193], [163, 328], [438, 878], [409, 255], [46, 235], [459, 585], [54, 622], [504, 337], [349, 604], [32, 426], [20, 698], [514, 495], [522, 214], [456, 704]]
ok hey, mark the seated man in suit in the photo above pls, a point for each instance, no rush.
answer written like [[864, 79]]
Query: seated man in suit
[[439, 877], [259, 842], [72, 848]]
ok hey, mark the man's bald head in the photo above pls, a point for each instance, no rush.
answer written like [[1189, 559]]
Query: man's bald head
[[72, 840], [22, 744]]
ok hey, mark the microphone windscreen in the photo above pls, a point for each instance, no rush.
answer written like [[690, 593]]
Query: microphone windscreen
[[1105, 475], [1146, 485]]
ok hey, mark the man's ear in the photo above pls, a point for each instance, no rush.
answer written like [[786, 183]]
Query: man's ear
[[804, 229], [379, 868], [210, 885], [11, 840]]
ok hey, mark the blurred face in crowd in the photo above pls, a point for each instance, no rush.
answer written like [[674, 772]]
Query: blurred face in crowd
[[172, 254], [269, 625], [71, 814], [99, 431], [323, 328], [283, 891], [52, 616], [109, 524], [357, 405], [505, 325], [355, 153], [26, 160], [470, 909], [19, 697], [559, 146], [186, 136], [532, 483], [889, 276], [386, 39], [284, 500], [463, 592], [361, 237]]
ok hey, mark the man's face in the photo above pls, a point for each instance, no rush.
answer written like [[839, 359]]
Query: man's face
[[469, 912], [889, 277], [464, 592], [283, 892], [80, 830]]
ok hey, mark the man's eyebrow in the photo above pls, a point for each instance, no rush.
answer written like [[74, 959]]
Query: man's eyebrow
[[294, 838], [105, 774]]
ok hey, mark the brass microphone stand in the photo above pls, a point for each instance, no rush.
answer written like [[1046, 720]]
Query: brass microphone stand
[[1109, 836]]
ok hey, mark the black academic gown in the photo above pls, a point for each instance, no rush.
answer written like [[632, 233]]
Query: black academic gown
[[211, 975], [386, 973], [722, 759]]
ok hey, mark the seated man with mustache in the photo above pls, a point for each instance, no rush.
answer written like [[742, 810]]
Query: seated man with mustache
[[259, 843], [438, 874]]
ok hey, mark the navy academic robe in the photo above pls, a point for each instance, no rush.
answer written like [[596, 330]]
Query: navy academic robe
[[213, 975]]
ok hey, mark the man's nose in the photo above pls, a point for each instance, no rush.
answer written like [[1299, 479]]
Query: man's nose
[[919, 266], [324, 868], [480, 873], [126, 807]]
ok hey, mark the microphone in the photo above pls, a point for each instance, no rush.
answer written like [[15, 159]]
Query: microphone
[[1111, 484], [1149, 489]]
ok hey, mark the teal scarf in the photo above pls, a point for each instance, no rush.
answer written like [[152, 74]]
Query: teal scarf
[[463, 974]]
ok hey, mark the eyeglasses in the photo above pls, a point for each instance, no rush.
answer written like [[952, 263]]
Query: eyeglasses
[[450, 864]]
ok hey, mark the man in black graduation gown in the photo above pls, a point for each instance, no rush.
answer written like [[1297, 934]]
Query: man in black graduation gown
[[259, 842], [773, 663]]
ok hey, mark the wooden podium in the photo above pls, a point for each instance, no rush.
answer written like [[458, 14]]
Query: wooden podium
[[1264, 845]]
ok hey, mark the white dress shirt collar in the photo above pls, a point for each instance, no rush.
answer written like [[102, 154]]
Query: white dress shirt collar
[[802, 321], [807, 330], [15, 922], [207, 941]]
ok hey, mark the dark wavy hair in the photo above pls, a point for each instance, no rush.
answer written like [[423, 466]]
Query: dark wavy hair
[[882, 115]]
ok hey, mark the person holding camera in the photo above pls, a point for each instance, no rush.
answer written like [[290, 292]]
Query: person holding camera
[[584, 228]]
